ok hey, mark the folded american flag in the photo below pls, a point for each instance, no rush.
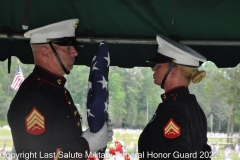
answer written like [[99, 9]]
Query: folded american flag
[[97, 98]]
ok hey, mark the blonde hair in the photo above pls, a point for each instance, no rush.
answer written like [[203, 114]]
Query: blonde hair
[[191, 74]]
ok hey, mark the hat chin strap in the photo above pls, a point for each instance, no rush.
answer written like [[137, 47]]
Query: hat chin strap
[[58, 58], [166, 75]]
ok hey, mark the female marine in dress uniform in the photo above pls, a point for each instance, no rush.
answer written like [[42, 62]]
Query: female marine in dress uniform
[[178, 129]]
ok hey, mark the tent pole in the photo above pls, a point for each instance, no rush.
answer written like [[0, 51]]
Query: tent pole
[[143, 41]]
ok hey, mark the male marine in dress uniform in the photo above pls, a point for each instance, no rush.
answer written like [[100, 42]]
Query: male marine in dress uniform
[[178, 129], [43, 118]]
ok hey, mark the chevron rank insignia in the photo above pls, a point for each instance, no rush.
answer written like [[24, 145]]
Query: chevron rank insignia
[[35, 122], [171, 130]]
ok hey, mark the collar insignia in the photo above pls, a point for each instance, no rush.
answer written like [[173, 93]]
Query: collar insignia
[[59, 81]]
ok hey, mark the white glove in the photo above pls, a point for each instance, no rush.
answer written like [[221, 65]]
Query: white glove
[[100, 139]]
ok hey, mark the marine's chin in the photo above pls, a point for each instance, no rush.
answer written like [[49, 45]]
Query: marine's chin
[[155, 82], [70, 67]]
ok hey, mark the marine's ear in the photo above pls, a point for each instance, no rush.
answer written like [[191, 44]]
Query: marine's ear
[[173, 72], [44, 51]]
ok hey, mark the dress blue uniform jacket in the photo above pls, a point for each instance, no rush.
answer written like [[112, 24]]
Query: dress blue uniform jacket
[[178, 130], [44, 120]]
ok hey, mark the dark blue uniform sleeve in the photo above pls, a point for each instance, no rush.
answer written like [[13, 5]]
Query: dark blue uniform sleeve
[[206, 152], [178, 130], [40, 127], [182, 123], [176, 135]]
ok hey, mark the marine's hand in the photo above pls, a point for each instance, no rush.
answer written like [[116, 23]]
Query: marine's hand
[[100, 139]]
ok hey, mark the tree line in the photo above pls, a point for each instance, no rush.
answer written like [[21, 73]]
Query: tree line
[[133, 97]]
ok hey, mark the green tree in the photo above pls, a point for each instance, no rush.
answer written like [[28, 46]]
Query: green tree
[[149, 97], [232, 78], [117, 96], [4, 105], [132, 87]]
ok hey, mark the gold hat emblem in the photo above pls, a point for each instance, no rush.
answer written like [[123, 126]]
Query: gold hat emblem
[[59, 81], [48, 40], [76, 24]]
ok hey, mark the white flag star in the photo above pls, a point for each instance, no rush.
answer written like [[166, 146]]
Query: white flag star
[[89, 85], [104, 83], [106, 106], [89, 113], [108, 59], [93, 59], [94, 68]]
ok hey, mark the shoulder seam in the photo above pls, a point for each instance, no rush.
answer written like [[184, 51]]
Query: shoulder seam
[[42, 79], [29, 83]]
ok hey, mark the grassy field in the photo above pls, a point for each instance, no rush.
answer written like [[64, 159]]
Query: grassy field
[[5, 133], [130, 139]]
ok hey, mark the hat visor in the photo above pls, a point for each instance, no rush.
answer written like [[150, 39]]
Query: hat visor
[[66, 41], [69, 43], [159, 58]]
